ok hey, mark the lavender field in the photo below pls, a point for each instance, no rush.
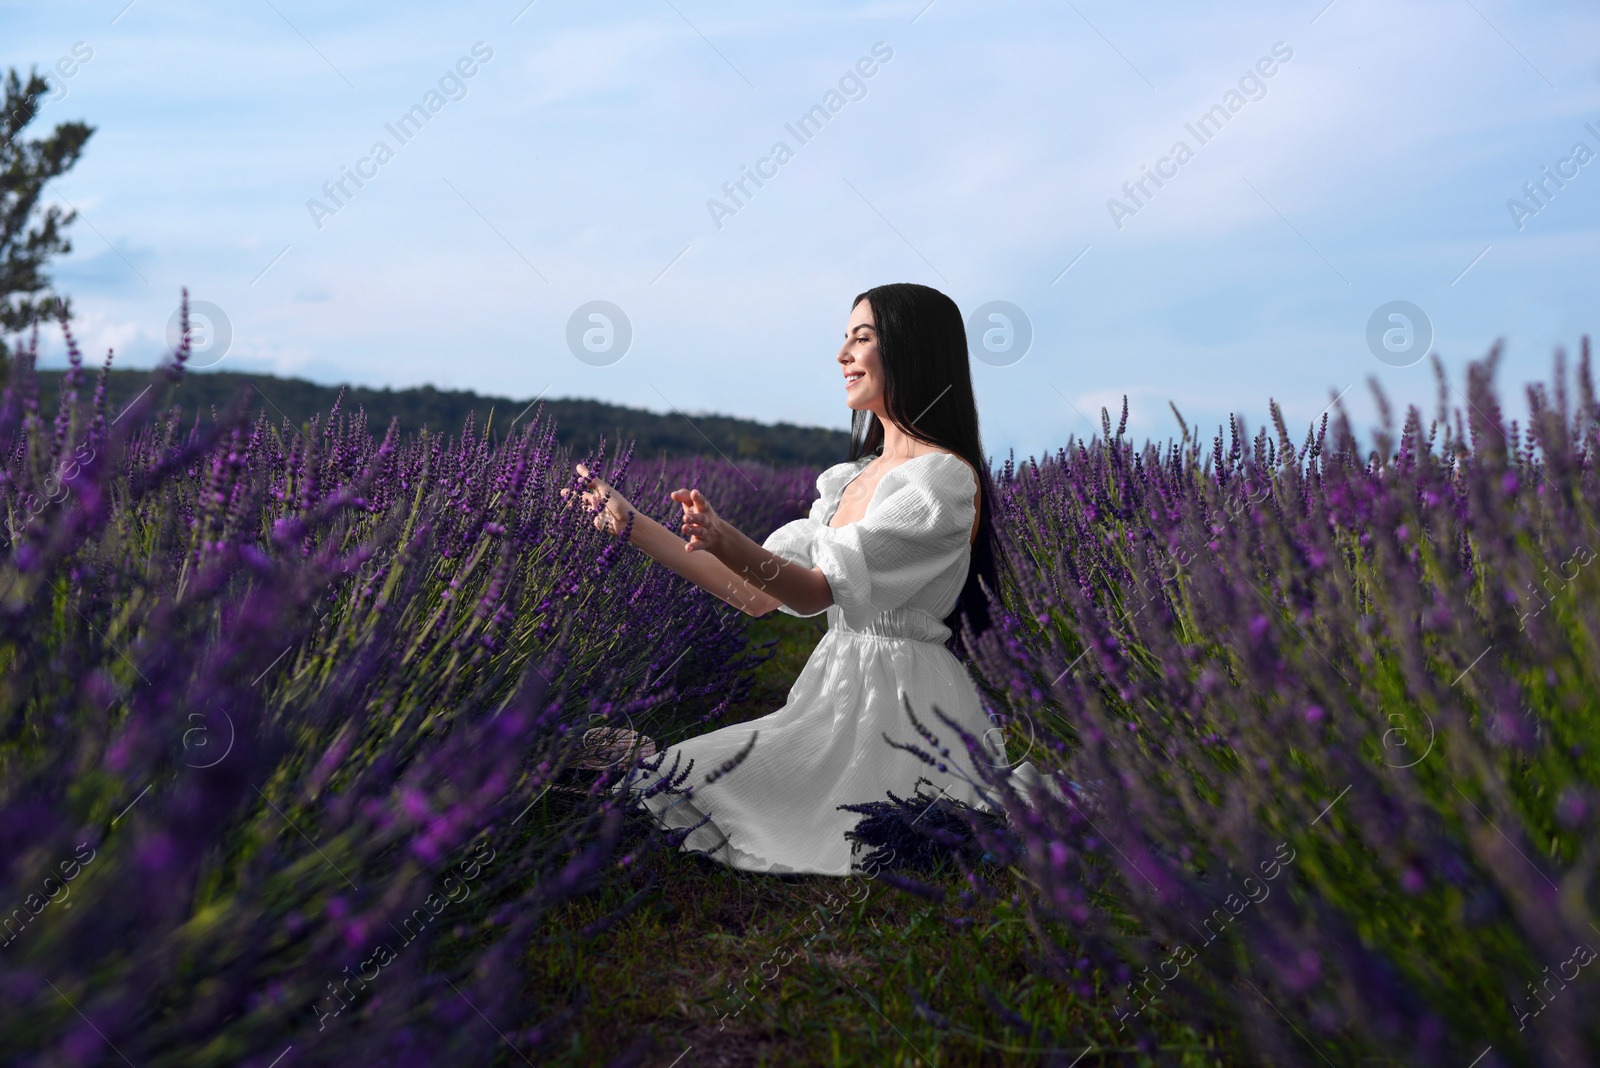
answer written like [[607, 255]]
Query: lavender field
[[291, 716]]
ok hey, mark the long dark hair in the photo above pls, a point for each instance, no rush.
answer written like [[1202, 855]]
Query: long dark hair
[[922, 344]]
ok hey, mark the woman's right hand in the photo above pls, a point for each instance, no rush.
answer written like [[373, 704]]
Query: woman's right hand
[[613, 517], [701, 524]]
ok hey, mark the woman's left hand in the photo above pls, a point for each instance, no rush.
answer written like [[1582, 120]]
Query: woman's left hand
[[701, 524]]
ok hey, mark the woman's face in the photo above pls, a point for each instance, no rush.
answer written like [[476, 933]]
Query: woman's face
[[863, 370]]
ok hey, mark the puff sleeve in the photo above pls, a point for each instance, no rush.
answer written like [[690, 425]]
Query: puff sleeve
[[916, 527], [793, 540]]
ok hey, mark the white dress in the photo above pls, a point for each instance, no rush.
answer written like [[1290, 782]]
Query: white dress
[[894, 574]]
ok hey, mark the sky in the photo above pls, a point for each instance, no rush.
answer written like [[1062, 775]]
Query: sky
[[1339, 189]]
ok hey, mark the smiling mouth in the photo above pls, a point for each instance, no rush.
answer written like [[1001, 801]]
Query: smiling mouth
[[852, 379]]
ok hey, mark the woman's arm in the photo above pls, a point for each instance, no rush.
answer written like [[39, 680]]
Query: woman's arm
[[702, 569], [671, 551], [805, 590]]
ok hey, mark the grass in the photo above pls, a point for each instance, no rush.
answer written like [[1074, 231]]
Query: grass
[[831, 966]]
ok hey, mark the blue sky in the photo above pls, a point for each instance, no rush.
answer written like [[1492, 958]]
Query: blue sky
[[981, 156]]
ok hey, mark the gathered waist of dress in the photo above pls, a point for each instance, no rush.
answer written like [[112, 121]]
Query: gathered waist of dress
[[904, 624]]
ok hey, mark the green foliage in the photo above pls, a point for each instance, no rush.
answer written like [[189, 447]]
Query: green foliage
[[581, 423], [30, 236]]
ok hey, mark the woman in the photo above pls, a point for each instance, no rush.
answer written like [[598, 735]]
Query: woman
[[893, 550]]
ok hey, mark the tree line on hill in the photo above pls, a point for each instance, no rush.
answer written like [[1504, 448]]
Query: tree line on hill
[[579, 423]]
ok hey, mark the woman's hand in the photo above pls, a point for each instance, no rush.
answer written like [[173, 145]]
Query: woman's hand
[[701, 524], [613, 516]]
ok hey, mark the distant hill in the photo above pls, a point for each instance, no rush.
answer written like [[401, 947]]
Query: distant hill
[[579, 423]]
